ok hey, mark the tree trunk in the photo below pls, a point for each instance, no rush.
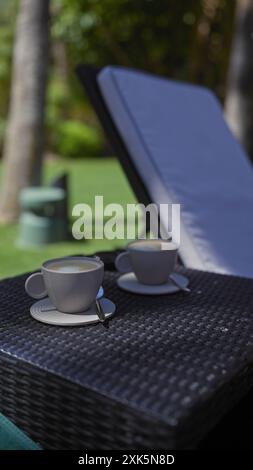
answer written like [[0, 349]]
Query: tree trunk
[[23, 146], [239, 99]]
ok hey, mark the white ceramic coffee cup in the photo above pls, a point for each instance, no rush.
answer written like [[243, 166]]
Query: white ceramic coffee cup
[[152, 261], [70, 290]]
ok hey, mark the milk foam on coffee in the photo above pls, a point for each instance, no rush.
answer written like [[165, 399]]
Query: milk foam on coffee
[[72, 266], [153, 245]]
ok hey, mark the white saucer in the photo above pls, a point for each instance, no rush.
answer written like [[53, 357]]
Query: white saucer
[[54, 317], [130, 283]]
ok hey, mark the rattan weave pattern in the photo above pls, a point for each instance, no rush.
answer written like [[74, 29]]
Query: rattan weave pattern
[[163, 374]]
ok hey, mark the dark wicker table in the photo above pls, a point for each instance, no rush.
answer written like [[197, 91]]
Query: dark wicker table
[[161, 377]]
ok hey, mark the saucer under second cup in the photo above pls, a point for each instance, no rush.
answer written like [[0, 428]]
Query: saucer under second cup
[[130, 283]]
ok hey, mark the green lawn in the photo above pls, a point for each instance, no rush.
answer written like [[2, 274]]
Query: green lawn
[[88, 177]]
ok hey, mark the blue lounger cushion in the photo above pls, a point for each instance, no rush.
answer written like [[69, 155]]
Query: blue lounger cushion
[[184, 153]]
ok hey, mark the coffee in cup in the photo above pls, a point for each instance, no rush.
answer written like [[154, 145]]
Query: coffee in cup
[[71, 265]]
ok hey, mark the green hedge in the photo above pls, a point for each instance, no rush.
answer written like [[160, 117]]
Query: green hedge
[[75, 139]]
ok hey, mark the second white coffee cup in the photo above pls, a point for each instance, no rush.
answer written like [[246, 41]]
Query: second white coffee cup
[[152, 261]]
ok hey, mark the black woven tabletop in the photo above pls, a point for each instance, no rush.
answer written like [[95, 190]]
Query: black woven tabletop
[[161, 376]]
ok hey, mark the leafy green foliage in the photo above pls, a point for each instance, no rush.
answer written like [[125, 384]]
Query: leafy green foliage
[[75, 139], [8, 10], [181, 39], [186, 39]]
